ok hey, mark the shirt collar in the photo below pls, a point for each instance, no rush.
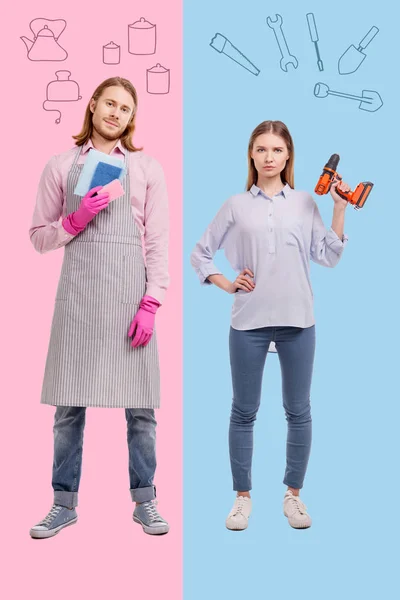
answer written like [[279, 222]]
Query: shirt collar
[[89, 144], [256, 190]]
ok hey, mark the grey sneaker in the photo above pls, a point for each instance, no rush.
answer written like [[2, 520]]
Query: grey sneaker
[[152, 522], [58, 518]]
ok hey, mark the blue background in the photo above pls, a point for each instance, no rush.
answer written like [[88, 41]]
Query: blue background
[[352, 484]]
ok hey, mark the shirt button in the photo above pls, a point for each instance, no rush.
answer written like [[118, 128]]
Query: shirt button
[[270, 230]]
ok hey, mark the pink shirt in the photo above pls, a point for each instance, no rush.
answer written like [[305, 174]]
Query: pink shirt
[[149, 207]]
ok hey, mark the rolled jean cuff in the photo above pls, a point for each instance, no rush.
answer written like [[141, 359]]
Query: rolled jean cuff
[[143, 494], [68, 499]]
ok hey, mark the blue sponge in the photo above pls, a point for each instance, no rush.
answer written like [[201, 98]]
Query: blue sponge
[[104, 173]]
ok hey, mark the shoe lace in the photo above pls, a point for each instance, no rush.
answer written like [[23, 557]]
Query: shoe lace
[[238, 507], [151, 510], [55, 509], [298, 505]]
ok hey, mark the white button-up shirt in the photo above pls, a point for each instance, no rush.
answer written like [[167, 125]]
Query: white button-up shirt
[[275, 238]]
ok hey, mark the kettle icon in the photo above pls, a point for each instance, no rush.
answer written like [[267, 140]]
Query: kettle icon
[[45, 46]]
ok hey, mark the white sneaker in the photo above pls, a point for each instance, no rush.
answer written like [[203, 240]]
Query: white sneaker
[[296, 511], [239, 515]]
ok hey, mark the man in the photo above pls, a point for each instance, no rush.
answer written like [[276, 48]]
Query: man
[[103, 349]]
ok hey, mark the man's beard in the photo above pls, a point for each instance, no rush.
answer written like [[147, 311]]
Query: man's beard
[[106, 135]]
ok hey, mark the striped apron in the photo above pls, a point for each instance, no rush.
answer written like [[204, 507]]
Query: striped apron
[[90, 361]]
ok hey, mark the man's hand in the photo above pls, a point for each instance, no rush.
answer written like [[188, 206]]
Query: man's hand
[[142, 326], [91, 204]]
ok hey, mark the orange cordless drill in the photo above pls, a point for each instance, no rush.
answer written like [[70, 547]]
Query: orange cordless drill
[[356, 198]]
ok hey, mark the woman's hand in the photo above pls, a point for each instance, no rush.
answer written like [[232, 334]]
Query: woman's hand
[[244, 281], [342, 186]]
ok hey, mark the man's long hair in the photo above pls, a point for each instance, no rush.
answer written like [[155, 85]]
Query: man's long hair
[[126, 138]]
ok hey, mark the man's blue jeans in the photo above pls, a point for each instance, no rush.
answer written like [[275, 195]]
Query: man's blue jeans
[[69, 424], [248, 351]]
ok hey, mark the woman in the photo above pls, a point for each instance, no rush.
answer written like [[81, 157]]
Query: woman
[[269, 233]]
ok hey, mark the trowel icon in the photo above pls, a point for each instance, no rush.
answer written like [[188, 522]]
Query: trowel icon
[[352, 59]]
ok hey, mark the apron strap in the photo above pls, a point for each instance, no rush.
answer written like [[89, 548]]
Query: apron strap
[[77, 155]]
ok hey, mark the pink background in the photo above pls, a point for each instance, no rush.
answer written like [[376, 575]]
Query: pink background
[[105, 553]]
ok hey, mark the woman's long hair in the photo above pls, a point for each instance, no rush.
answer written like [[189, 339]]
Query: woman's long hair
[[87, 128], [278, 128]]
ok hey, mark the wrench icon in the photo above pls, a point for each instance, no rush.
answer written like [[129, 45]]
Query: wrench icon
[[287, 58]]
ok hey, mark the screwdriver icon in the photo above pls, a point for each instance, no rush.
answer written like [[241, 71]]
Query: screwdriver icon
[[314, 37]]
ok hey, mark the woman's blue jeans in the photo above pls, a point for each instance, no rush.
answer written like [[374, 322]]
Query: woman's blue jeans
[[248, 351]]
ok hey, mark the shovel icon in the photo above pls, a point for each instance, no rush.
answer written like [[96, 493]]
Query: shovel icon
[[369, 100], [352, 59]]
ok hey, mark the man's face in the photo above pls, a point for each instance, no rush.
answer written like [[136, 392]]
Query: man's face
[[112, 112]]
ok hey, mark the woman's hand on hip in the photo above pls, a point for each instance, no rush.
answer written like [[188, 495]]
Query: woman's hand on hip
[[244, 281]]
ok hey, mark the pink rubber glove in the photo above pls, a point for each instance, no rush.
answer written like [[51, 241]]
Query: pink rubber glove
[[142, 325], [88, 209]]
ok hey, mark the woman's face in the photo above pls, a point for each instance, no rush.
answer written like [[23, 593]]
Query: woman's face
[[270, 154]]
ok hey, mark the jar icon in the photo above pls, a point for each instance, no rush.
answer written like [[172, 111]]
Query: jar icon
[[158, 80], [111, 54], [142, 37]]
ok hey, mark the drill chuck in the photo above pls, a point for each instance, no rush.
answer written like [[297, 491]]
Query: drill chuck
[[333, 162]]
